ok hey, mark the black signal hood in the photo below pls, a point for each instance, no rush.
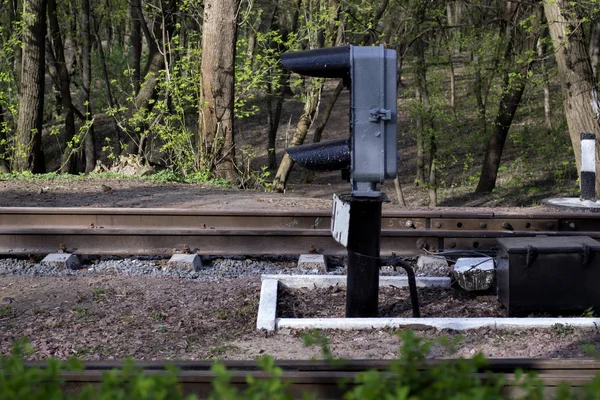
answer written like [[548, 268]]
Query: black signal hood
[[325, 156], [331, 62]]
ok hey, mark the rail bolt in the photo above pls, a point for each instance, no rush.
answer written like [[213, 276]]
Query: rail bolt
[[438, 225], [482, 225]]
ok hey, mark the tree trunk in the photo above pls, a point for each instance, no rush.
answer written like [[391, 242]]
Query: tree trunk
[[135, 42], [427, 119], [432, 184], [274, 116], [68, 164], [109, 97], [577, 77], [541, 49], [420, 178], [479, 95], [399, 193], [86, 80], [310, 108], [29, 155], [518, 42], [452, 86], [18, 53], [508, 106], [421, 77], [4, 167], [144, 100], [322, 123], [218, 66]]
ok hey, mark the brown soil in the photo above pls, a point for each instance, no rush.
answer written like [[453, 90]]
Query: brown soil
[[393, 303], [113, 317]]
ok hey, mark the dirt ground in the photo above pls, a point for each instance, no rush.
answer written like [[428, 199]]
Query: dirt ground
[[393, 303], [110, 317], [135, 193]]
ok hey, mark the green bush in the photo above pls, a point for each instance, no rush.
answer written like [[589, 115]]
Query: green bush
[[405, 379]]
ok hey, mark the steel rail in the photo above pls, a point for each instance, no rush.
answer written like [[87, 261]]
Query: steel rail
[[323, 378], [134, 231]]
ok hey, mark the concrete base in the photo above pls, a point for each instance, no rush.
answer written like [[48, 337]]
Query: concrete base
[[325, 281], [573, 204], [474, 274], [61, 261], [267, 307], [185, 262], [312, 262], [266, 319]]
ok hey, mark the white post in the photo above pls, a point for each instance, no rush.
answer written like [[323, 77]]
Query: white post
[[588, 166]]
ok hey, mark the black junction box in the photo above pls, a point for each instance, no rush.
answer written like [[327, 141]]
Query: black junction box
[[548, 274]]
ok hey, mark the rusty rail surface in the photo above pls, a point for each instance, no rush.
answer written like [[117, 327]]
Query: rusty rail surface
[[323, 379], [123, 231]]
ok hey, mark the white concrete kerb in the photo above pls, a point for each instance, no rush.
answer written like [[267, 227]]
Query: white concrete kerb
[[458, 324], [267, 306], [267, 309], [324, 281]]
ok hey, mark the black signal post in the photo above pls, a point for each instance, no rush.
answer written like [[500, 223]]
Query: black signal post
[[362, 290]]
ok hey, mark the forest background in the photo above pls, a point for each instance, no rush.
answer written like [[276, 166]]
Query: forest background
[[171, 84]]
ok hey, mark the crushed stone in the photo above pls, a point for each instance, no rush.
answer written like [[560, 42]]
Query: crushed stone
[[214, 267]]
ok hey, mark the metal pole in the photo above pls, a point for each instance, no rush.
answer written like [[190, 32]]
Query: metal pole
[[363, 257], [588, 166]]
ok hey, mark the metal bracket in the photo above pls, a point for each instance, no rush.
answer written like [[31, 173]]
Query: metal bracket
[[380, 115]]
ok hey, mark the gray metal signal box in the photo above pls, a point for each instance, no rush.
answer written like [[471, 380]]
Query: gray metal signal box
[[373, 118]]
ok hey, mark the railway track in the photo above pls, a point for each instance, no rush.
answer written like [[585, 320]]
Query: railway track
[[122, 231], [324, 379]]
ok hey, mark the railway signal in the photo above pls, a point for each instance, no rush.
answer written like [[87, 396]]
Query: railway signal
[[371, 150], [369, 155]]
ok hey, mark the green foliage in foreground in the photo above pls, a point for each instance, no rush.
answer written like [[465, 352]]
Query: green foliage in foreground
[[404, 380]]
